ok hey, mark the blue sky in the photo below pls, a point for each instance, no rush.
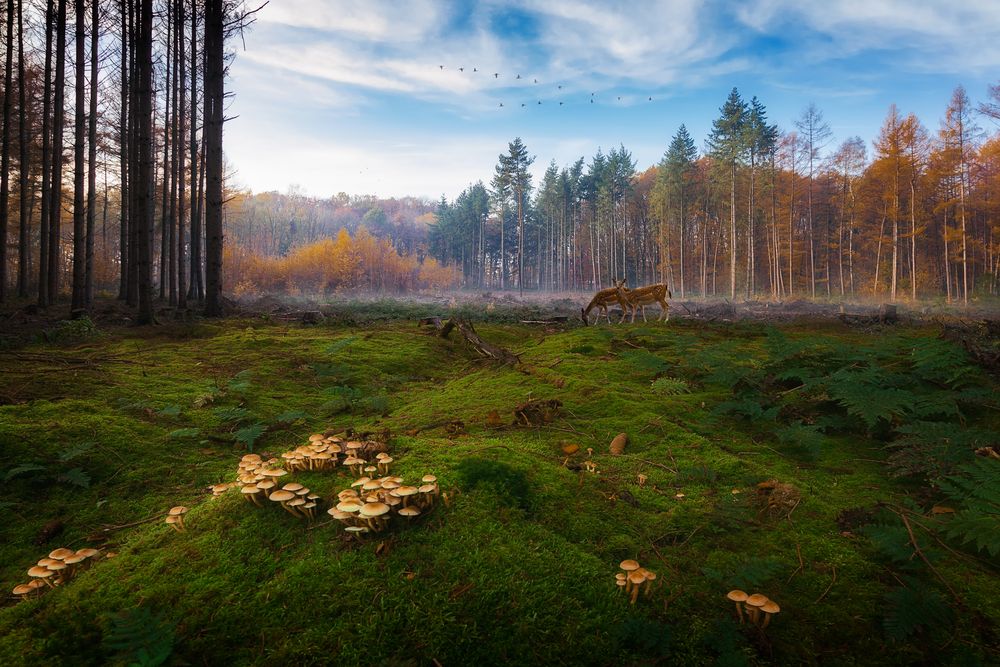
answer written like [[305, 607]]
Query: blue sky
[[349, 95]]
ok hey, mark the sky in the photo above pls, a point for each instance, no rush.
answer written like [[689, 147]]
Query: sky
[[397, 98]]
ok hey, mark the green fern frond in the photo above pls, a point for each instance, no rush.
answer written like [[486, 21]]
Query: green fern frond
[[668, 386], [140, 638], [913, 609]]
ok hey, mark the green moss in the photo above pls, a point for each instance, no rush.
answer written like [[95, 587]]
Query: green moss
[[519, 567]]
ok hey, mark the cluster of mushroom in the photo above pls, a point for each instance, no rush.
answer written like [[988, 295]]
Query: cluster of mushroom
[[60, 566], [369, 504], [758, 608], [258, 477], [633, 578], [297, 500], [175, 518]]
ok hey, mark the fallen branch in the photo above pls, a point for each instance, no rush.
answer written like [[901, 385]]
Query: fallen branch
[[916, 548], [473, 339], [828, 587]]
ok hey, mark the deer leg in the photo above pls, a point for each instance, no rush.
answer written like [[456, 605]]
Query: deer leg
[[644, 315]]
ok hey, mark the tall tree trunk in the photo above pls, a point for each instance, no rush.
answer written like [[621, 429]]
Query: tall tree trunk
[[43, 258], [214, 88], [5, 159], [165, 186], [732, 233], [123, 135], [58, 121], [181, 210], [79, 300], [171, 130], [143, 220], [92, 156], [25, 200]]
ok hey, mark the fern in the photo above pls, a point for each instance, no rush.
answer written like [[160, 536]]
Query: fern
[[140, 638], [976, 490], [169, 411], [339, 345], [240, 381], [944, 363], [914, 608], [863, 394], [71, 453], [232, 415], [290, 416], [934, 448], [668, 386], [801, 440], [250, 435], [184, 433], [76, 477]]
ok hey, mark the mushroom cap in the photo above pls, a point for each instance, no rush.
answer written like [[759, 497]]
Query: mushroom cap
[[303, 492], [403, 491], [334, 448], [636, 577], [386, 460], [292, 486], [251, 489], [757, 600], [390, 484], [348, 493], [382, 455], [22, 589], [349, 506], [36, 583], [45, 562], [620, 582], [296, 502], [629, 565], [74, 559], [338, 515], [370, 469], [356, 529], [428, 479], [737, 595], [87, 552], [59, 554], [171, 520], [316, 436], [620, 576], [313, 496], [40, 572], [408, 512], [282, 496], [274, 472], [374, 509], [177, 511], [250, 457], [266, 484], [57, 565], [392, 500], [649, 574], [770, 607], [371, 486], [361, 481]]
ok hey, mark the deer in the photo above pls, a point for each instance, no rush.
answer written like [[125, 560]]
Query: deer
[[641, 297], [602, 300]]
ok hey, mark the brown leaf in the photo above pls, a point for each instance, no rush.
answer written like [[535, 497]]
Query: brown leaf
[[618, 444], [570, 448]]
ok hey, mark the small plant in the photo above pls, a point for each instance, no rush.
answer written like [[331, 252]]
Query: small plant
[[140, 638]]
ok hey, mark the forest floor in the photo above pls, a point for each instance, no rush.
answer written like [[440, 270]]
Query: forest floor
[[849, 473]]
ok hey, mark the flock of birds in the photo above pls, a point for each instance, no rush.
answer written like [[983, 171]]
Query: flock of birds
[[496, 75]]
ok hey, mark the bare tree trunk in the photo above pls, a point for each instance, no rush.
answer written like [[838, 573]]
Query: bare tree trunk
[[25, 200], [143, 220], [181, 210], [171, 130], [78, 299], [88, 292], [732, 232], [165, 185], [59, 116], [214, 90], [5, 159], [43, 258], [123, 134]]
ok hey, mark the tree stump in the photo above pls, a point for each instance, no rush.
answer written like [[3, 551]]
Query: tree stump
[[887, 314]]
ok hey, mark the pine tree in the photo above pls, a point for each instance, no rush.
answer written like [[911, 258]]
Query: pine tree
[[727, 144]]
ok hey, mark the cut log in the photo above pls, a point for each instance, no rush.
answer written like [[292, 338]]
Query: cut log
[[482, 347]]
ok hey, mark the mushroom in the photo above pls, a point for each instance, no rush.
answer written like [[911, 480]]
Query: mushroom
[[753, 603], [295, 504], [316, 437], [405, 492], [42, 573], [431, 479], [427, 494], [282, 496], [621, 579], [642, 479], [769, 609], [252, 493], [265, 485], [343, 517], [357, 531], [635, 578], [23, 590], [629, 566], [293, 487], [61, 553], [178, 512], [409, 512], [738, 596], [373, 513], [384, 463], [650, 577], [174, 522]]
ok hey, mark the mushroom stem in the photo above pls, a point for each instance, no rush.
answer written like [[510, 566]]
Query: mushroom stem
[[739, 612], [767, 619], [635, 593]]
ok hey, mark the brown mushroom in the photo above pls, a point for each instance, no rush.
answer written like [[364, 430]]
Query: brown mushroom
[[737, 596], [769, 609], [753, 604]]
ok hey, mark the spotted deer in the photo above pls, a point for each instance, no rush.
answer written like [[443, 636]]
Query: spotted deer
[[641, 297], [602, 300]]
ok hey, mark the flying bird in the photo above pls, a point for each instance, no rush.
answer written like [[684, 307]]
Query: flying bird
[[441, 66], [650, 99], [501, 104], [474, 69], [518, 76], [619, 98], [560, 104], [560, 87], [461, 69], [522, 104], [591, 100], [495, 75], [536, 80], [539, 101]]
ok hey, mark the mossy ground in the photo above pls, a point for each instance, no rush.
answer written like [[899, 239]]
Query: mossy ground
[[501, 575]]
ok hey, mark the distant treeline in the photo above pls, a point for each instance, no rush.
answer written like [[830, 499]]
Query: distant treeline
[[761, 211]]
